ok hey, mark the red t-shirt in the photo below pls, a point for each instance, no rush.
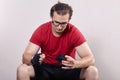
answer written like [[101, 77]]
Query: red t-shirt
[[52, 46]]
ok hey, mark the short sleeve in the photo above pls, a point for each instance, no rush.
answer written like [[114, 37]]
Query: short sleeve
[[77, 38], [36, 37]]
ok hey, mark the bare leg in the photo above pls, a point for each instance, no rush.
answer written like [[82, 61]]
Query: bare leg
[[90, 73], [24, 72]]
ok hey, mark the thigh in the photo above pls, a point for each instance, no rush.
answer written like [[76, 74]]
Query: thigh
[[39, 69], [74, 74], [26, 69], [69, 74], [42, 72]]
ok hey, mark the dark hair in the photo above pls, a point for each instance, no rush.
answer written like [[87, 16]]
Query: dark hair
[[61, 9]]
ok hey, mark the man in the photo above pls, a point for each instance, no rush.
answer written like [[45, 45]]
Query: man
[[59, 41]]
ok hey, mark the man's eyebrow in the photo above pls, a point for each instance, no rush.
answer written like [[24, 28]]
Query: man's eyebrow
[[61, 22]]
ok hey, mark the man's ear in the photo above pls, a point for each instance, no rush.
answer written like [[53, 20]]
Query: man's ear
[[50, 17], [69, 18]]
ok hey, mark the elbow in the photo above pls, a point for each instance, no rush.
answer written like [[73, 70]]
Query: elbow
[[26, 59], [92, 60], [23, 59]]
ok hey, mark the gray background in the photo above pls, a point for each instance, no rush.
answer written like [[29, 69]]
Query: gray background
[[98, 20]]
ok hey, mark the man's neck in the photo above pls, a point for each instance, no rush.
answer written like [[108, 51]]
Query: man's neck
[[56, 34]]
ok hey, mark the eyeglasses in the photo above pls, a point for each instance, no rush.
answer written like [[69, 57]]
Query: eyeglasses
[[56, 23]]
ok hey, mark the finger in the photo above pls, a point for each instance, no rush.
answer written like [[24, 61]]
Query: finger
[[42, 57], [63, 61], [67, 63], [69, 58], [66, 67]]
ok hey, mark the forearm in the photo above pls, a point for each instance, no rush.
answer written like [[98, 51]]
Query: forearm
[[85, 62], [86, 55], [27, 59]]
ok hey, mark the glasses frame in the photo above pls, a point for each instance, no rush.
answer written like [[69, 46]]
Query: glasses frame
[[62, 24]]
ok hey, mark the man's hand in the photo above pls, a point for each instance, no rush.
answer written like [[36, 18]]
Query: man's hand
[[42, 57], [69, 63]]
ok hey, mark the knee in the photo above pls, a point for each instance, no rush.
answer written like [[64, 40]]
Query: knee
[[92, 69], [92, 72], [22, 70]]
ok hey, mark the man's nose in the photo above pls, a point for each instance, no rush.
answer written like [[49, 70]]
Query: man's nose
[[59, 27]]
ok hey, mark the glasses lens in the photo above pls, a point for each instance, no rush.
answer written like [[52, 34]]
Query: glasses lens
[[56, 24]]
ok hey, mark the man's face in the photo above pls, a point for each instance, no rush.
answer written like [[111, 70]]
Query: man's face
[[59, 22]]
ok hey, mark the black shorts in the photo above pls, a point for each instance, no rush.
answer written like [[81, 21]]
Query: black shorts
[[53, 72]]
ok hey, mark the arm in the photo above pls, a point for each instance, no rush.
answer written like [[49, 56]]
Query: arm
[[29, 52], [86, 55]]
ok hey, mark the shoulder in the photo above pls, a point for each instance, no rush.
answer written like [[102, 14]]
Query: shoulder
[[72, 28], [77, 38]]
